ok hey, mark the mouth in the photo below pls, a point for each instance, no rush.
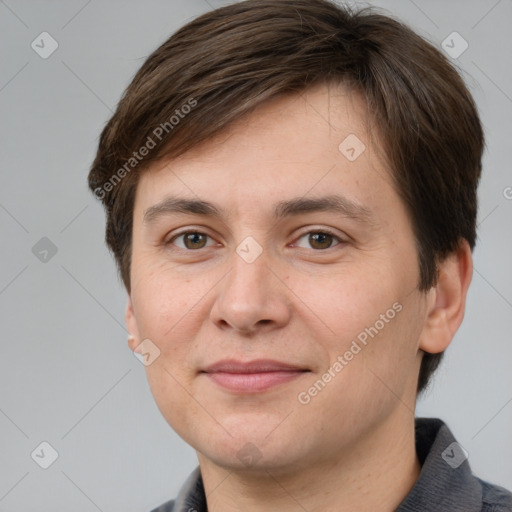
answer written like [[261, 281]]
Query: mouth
[[252, 376]]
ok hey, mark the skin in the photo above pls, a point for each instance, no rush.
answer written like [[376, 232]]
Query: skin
[[352, 446]]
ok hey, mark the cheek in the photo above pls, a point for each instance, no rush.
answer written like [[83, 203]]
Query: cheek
[[346, 301], [170, 308], [366, 319], [163, 297], [373, 382]]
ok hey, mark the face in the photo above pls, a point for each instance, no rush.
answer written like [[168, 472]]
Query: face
[[300, 260]]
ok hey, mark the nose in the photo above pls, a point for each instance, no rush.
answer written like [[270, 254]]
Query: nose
[[252, 297]]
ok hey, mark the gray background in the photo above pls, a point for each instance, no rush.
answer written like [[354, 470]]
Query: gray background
[[66, 374]]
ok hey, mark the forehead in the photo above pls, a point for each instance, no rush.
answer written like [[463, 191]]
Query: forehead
[[301, 143], [311, 121]]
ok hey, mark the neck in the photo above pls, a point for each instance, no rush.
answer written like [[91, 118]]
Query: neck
[[375, 474]]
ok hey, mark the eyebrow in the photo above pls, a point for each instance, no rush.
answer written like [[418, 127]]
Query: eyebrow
[[296, 206]]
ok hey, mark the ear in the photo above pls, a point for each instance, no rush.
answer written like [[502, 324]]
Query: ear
[[446, 301], [131, 323]]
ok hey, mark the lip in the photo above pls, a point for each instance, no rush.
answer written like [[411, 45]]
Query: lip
[[254, 366], [252, 376]]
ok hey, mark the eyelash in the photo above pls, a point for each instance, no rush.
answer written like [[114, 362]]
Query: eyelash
[[319, 231]]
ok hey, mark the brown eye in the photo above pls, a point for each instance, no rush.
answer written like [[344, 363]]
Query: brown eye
[[195, 240], [190, 240], [319, 240]]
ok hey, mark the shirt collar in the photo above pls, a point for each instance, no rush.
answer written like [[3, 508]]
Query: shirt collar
[[191, 495], [446, 482]]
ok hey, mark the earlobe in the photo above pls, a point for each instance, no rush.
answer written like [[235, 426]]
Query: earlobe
[[131, 324], [447, 300]]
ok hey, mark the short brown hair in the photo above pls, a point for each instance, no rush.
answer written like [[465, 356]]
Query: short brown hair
[[228, 61]]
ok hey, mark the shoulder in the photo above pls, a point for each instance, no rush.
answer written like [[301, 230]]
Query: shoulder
[[168, 506], [446, 482], [495, 498], [190, 498]]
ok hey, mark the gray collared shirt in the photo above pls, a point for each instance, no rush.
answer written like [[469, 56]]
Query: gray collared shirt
[[445, 484]]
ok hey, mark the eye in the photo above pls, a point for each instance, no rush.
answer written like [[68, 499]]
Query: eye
[[319, 240], [191, 240]]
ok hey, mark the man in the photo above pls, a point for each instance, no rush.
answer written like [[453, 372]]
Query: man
[[290, 191]]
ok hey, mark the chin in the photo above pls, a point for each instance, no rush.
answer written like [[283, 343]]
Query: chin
[[252, 450]]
